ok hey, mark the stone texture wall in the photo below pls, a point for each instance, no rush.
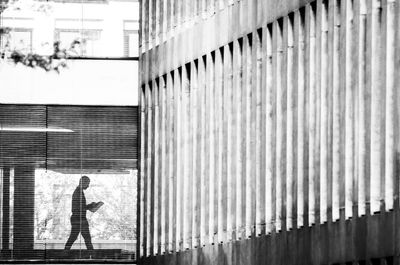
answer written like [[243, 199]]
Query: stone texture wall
[[269, 132]]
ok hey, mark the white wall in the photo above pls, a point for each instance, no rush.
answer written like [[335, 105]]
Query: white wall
[[84, 82]]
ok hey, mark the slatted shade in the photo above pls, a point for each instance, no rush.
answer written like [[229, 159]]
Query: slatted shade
[[22, 146], [69, 138]]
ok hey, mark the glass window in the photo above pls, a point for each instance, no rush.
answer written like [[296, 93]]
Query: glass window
[[17, 38], [79, 42], [131, 38], [69, 176]]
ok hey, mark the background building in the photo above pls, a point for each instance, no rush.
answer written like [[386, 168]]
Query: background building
[[269, 132], [105, 28]]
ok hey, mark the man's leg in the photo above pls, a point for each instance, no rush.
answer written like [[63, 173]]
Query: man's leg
[[86, 234], [75, 229]]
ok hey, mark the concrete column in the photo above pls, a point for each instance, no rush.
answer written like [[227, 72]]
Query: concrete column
[[148, 182], [340, 23], [159, 20], [169, 160], [324, 109], [242, 138], [270, 100], [280, 123], [237, 90], [258, 180], [202, 109], [149, 23], [164, 20], [363, 100], [229, 150], [318, 7], [291, 149], [196, 152], [186, 157], [235, 128], [252, 140], [153, 21], [179, 158], [24, 207], [248, 163], [157, 162], [337, 109], [207, 147], [6, 213], [172, 84], [224, 132], [391, 96], [167, 18], [377, 107], [219, 155], [312, 114], [145, 23], [163, 175], [301, 117], [141, 191], [349, 111], [212, 147]]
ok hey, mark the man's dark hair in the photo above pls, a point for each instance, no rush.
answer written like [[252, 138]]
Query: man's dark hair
[[84, 179]]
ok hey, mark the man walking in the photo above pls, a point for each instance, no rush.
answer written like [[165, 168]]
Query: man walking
[[79, 223]]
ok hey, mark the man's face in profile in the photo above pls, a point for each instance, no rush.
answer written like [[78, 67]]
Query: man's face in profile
[[85, 184]]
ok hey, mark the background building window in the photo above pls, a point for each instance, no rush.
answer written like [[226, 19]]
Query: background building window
[[131, 38], [17, 38], [89, 40]]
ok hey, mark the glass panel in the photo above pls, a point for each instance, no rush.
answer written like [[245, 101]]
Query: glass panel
[[1, 208], [111, 226], [44, 152]]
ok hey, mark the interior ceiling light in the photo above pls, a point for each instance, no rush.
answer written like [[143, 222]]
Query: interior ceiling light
[[34, 129]]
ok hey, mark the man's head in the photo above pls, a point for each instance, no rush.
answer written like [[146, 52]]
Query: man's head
[[84, 182]]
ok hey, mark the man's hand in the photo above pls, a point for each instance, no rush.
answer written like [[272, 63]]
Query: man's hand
[[91, 206], [96, 206]]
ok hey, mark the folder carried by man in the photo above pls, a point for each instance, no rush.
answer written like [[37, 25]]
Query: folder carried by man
[[95, 206]]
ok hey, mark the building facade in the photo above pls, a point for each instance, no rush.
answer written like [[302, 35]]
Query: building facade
[[269, 132]]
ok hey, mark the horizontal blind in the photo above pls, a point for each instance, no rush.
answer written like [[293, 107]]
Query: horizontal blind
[[22, 147], [101, 137], [19, 143]]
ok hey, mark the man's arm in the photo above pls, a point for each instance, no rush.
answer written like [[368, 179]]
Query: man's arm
[[90, 206], [76, 202]]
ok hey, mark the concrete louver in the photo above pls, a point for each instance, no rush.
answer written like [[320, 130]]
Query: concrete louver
[[277, 122]]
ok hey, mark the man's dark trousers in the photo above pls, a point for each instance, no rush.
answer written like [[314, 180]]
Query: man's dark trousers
[[79, 225]]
